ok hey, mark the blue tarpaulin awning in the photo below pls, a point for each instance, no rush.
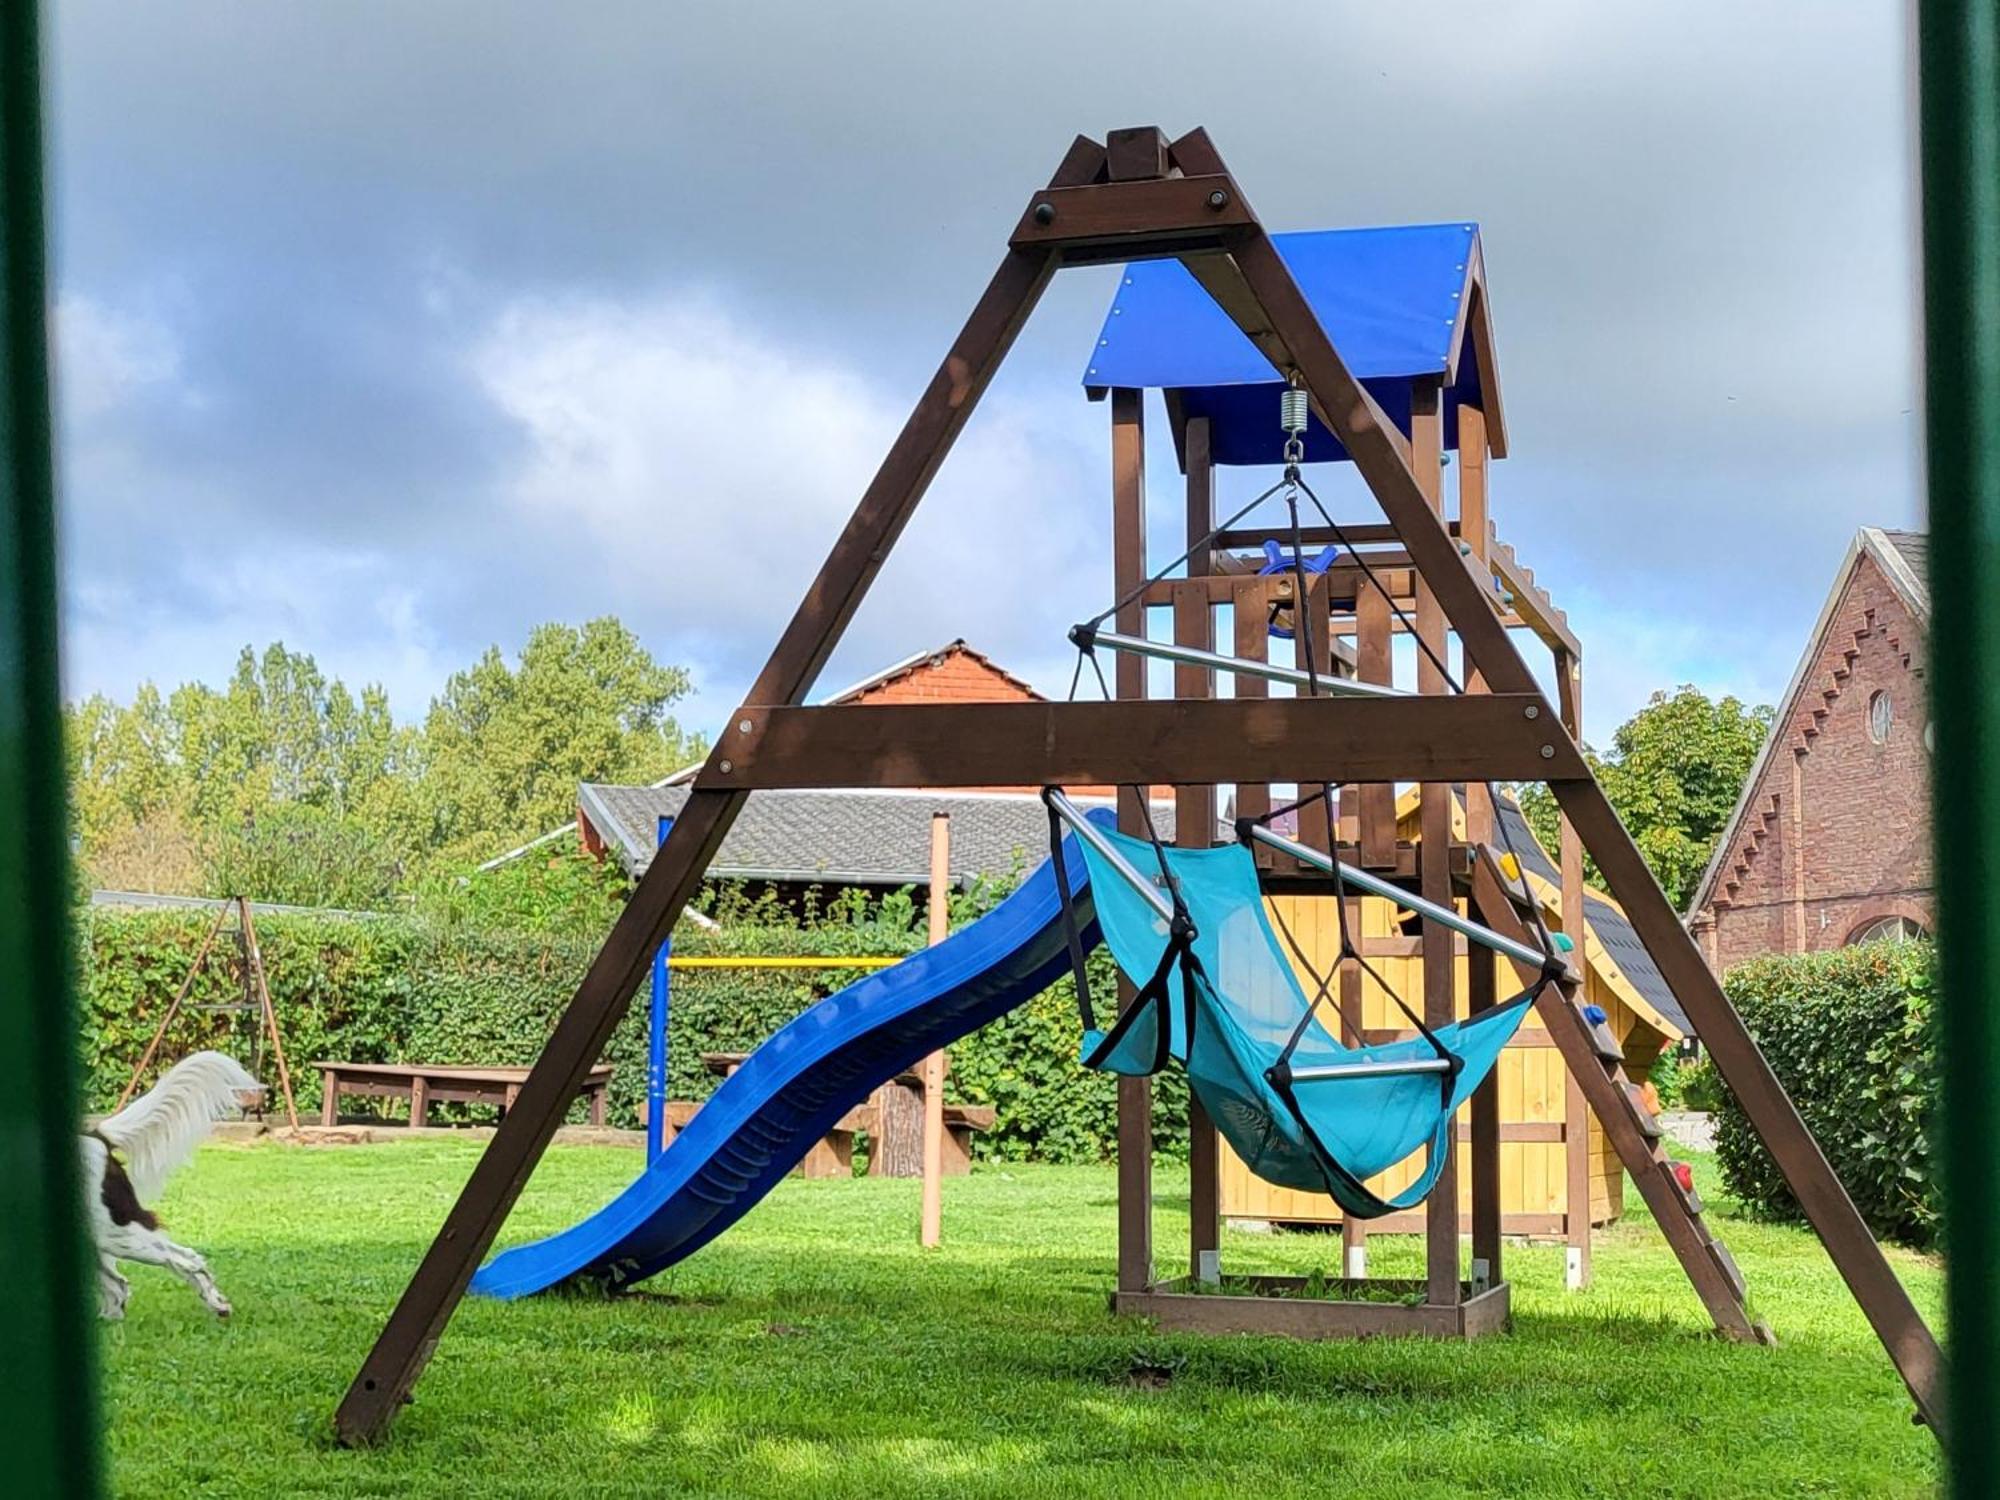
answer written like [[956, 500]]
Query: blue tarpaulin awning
[[1394, 301]]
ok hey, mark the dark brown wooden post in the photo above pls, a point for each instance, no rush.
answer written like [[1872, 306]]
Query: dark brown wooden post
[[1482, 994], [1194, 828], [1128, 569], [1435, 805], [1353, 1033], [1576, 1110], [1482, 975], [1251, 615], [1375, 663]]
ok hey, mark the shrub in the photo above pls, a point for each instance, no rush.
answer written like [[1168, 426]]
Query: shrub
[[401, 989], [1669, 1077], [1851, 1035]]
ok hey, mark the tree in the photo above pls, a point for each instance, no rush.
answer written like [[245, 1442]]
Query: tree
[[286, 785], [1674, 773], [506, 746]]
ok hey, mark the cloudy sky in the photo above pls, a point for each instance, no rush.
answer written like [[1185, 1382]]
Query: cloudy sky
[[391, 330]]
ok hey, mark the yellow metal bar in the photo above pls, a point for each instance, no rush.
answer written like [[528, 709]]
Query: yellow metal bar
[[678, 961]]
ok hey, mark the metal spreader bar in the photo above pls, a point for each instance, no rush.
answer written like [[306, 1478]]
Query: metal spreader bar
[[1430, 911], [1092, 835], [1194, 656], [1372, 1069]]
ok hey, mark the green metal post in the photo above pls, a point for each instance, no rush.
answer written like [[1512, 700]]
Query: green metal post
[[1959, 80], [47, 1375]]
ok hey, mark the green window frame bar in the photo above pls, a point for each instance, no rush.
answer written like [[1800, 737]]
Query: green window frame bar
[[1958, 66], [51, 1384]]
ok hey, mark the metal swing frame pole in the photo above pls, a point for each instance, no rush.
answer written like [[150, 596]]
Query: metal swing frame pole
[[1091, 834], [1430, 911]]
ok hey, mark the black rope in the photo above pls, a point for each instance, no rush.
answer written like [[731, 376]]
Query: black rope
[[1402, 616], [1195, 546], [1072, 934]]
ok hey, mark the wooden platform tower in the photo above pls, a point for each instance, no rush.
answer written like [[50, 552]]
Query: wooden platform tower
[[1137, 196]]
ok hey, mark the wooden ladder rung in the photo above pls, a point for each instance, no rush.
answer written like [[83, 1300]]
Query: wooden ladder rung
[[1726, 1263], [1605, 1044], [1649, 1123], [1688, 1196]]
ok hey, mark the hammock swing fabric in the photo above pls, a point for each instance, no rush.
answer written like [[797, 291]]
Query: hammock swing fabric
[[1217, 993]]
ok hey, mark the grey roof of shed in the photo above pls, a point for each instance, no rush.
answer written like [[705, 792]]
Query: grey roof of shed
[[879, 838], [1606, 921]]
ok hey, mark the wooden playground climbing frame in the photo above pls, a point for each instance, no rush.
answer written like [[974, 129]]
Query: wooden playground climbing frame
[[1137, 196]]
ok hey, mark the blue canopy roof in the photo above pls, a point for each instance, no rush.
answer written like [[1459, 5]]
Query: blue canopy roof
[[1393, 300]]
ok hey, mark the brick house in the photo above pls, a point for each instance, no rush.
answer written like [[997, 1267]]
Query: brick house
[[1830, 842]]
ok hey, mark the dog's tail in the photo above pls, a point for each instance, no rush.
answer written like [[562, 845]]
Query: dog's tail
[[158, 1131]]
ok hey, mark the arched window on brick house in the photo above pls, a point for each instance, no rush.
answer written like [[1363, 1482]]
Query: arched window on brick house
[[1887, 930]]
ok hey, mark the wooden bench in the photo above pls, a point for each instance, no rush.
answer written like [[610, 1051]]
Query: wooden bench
[[424, 1085]]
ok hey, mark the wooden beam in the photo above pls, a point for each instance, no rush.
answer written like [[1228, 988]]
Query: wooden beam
[[1132, 155], [1576, 1154], [418, 1321], [1194, 828], [1128, 567], [1475, 526], [1435, 805], [1167, 742], [1200, 499], [1161, 216], [1376, 812], [1488, 1131], [1360, 534], [1532, 603], [1250, 615]]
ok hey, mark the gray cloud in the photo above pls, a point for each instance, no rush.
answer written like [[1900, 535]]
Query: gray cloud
[[316, 229]]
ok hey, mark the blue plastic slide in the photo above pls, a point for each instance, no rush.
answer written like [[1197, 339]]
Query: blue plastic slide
[[766, 1115]]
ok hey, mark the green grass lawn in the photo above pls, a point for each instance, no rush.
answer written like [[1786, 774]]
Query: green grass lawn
[[814, 1350]]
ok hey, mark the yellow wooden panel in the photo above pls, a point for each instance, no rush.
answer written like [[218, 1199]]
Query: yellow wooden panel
[[1532, 1081]]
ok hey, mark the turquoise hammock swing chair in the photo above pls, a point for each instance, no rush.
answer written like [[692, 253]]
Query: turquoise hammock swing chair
[[1217, 993]]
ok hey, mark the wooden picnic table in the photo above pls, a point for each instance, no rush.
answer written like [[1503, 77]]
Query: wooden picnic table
[[425, 1084], [897, 1150]]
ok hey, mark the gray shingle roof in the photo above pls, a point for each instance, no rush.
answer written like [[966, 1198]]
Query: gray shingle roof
[[841, 837], [1606, 921], [1914, 547]]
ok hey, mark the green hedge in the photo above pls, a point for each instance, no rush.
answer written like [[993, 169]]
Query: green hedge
[[1851, 1035], [389, 990]]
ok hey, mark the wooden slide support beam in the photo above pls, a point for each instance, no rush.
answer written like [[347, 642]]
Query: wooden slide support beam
[[1163, 741], [1194, 828], [1576, 1155], [411, 1334], [1603, 1085], [1128, 567]]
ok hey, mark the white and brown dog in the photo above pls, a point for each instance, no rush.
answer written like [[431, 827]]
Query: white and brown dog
[[156, 1134]]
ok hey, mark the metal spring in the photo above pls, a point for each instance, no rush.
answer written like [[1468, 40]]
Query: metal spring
[[1293, 411]]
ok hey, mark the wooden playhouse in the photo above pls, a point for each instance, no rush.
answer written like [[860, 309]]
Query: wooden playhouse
[[1537, 1143]]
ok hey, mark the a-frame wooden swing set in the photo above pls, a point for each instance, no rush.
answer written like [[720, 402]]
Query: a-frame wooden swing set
[[1134, 197]]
